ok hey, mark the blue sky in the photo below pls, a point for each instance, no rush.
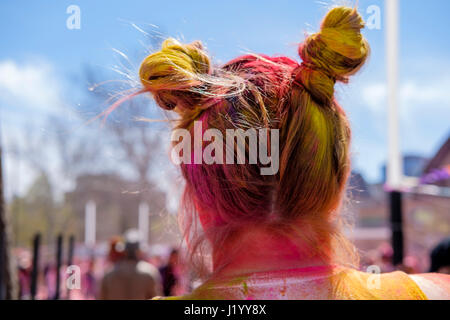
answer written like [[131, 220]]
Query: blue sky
[[41, 59]]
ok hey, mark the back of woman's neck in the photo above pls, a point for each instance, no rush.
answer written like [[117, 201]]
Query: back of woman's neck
[[258, 250]]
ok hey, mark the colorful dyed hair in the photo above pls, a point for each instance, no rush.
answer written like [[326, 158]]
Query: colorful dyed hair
[[258, 91]]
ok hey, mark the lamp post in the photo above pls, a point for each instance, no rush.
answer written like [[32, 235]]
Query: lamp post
[[395, 166]]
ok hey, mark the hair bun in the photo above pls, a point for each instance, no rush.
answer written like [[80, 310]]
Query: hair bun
[[335, 53], [175, 69]]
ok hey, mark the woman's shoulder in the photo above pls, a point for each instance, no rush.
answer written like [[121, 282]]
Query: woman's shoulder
[[171, 298], [355, 284], [346, 283], [195, 295], [435, 286], [399, 285]]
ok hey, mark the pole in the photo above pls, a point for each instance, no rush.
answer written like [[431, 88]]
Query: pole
[[3, 264], [396, 225], [90, 224], [35, 270], [394, 167], [8, 277], [144, 224], [70, 258], [59, 248]]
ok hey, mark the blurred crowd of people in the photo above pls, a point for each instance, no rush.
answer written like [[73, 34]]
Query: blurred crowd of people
[[383, 255], [131, 277], [126, 272]]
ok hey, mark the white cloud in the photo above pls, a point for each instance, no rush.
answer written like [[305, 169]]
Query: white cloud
[[434, 96], [438, 92], [374, 95], [424, 109], [32, 86], [29, 93]]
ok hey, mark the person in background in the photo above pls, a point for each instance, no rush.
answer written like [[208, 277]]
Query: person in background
[[24, 274], [116, 250], [440, 257], [90, 282], [49, 274], [169, 274], [131, 278], [410, 265], [386, 254]]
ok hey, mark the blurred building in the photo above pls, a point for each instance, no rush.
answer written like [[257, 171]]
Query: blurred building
[[439, 162], [413, 166], [117, 204], [426, 213]]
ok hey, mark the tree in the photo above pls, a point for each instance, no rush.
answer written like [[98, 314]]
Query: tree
[[37, 211], [8, 285], [67, 148]]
